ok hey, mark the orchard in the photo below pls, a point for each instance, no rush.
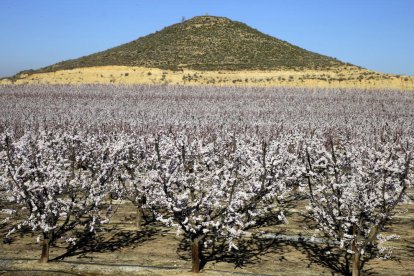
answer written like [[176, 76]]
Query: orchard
[[214, 164]]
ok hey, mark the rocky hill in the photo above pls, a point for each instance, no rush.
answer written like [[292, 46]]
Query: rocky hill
[[209, 50], [205, 43]]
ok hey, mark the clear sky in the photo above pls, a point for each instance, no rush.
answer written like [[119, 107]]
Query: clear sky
[[375, 34]]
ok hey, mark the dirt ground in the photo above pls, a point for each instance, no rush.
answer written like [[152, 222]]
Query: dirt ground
[[156, 250]]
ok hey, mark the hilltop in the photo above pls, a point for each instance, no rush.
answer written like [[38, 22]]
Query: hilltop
[[205, 43]]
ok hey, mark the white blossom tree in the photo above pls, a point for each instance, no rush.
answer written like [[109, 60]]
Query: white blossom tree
[[58, 180], [217, 187], [131, 177], [353, 191]]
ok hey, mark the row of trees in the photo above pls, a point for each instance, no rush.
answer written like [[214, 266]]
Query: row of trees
[[207, 186]]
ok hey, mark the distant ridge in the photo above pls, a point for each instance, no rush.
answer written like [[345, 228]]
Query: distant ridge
[[204, 43]]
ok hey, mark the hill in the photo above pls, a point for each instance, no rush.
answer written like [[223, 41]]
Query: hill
[[209, 50], [205, 43]]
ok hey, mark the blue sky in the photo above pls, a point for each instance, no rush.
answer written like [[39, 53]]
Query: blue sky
[[376, 34]]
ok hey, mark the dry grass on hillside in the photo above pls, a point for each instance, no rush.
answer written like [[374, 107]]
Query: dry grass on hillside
[[344, 77]]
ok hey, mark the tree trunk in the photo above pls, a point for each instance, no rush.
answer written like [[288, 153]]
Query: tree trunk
[[45, 251], [139, 218], [195, 256], [356, 264], [356, 257]]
